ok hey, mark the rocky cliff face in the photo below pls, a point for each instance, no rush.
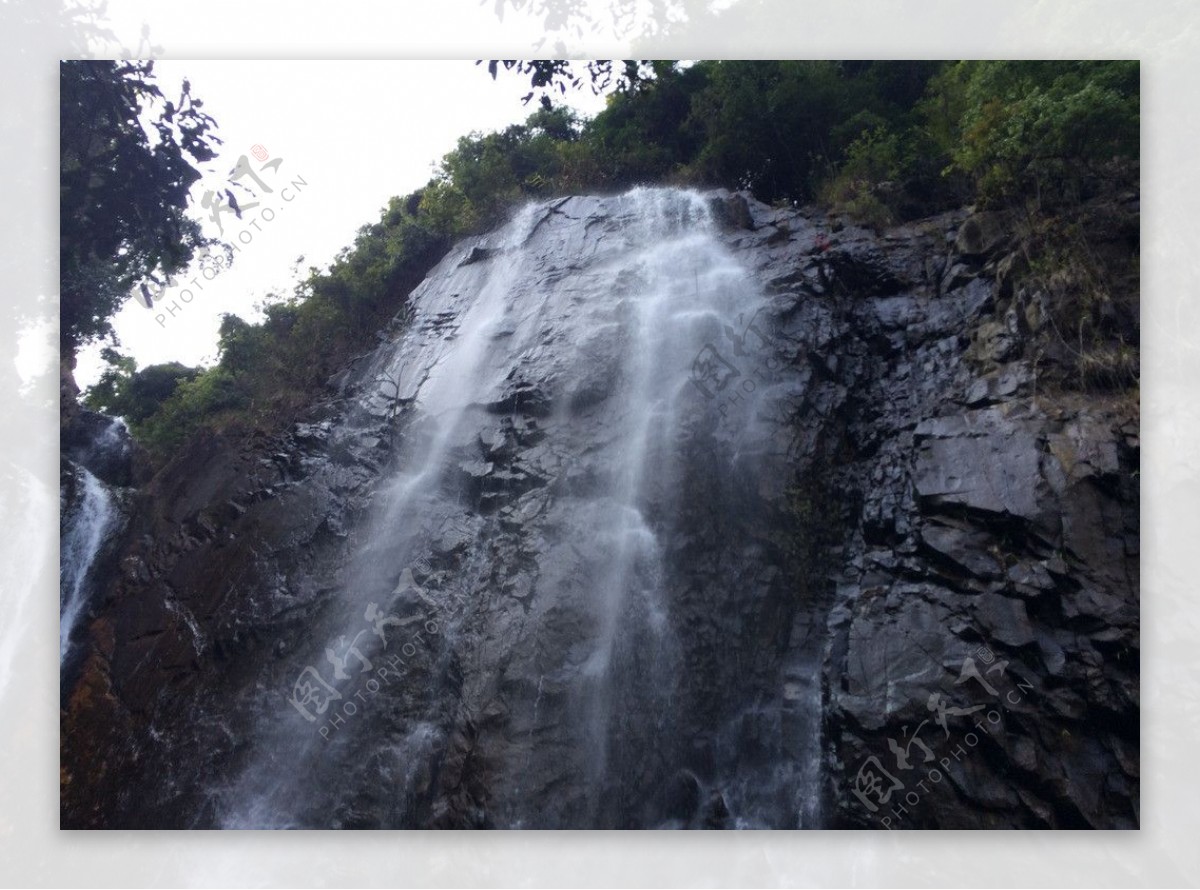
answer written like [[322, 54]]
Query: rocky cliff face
[[727, 516]]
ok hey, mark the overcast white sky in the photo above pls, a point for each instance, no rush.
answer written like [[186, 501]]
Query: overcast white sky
[[357, 133]]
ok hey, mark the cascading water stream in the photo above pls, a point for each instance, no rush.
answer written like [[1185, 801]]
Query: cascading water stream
[[83, 536], [657, 510], [438, 366], [547, 397]]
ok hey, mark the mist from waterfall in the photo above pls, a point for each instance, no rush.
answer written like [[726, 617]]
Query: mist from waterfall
[[583, 354]]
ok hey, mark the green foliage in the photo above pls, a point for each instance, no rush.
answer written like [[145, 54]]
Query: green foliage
[[1085, 266], [135, 395], [1047, 129], [548, 76], [1001, 133], [122, 194], [881, 141], [777, 128], [780, 128], [485, 176], [210, 399], [647, 135], [867, 183], [767, 128]]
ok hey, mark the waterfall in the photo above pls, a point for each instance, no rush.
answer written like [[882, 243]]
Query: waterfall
[[564, 447], [85, 529], [634, 515]]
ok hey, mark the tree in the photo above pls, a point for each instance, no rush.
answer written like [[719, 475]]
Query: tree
[[125, 391], [124, 188], [1049, 130], [549, 75]]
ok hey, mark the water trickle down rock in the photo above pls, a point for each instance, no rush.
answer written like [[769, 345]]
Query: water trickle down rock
[[95, 472], [666, 510]]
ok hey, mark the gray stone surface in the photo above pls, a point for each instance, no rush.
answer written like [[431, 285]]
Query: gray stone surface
[[910, 505]]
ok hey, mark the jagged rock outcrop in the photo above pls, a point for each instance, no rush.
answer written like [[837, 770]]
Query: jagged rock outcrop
[[900, 582]]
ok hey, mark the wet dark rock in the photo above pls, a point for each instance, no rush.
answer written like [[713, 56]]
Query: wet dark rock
[[1000, 385], [733, 211], [103, 446], [981, 234], [522, 398], [980, 461], [1004, 619], [963, 546], [478, 255], [930, 545]]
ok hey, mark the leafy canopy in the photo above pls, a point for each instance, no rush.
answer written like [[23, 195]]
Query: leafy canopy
[[123, 188]]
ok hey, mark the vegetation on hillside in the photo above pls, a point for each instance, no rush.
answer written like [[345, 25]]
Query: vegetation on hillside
[[881, 142]]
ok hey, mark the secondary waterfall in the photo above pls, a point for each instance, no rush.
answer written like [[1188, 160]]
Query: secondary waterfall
[[571, 429], [84, 531]]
